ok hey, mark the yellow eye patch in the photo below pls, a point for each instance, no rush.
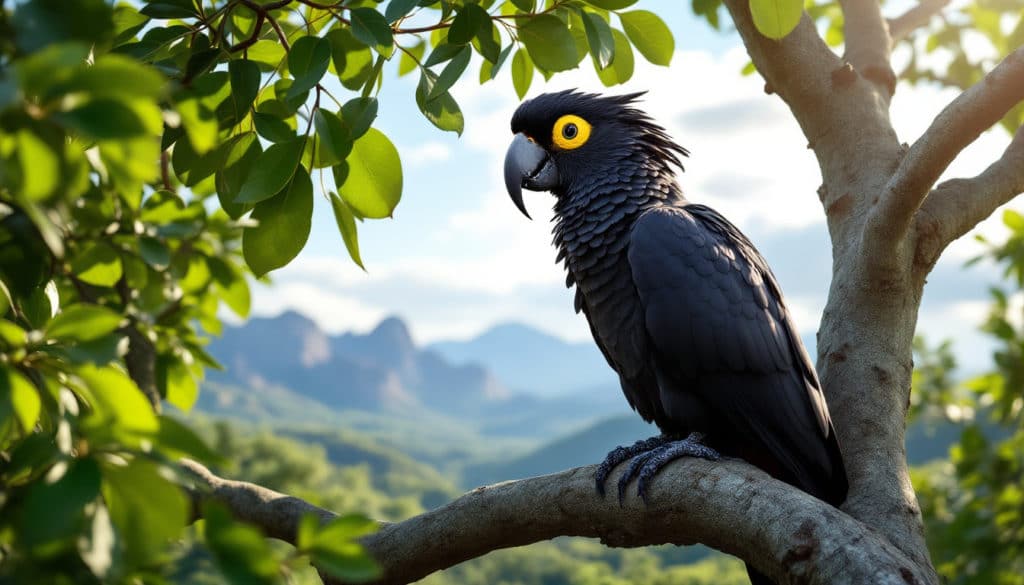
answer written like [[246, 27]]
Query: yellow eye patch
[[570, 132]]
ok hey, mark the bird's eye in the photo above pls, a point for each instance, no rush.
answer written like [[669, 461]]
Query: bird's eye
[[570, 132]]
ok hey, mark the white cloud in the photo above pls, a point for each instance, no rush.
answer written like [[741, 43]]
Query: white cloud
[[426, 153]]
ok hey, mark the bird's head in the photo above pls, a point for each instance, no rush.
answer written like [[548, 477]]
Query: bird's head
[[563, 136]]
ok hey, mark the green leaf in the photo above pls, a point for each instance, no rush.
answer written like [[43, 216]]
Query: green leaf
[[191, 167], [109, 119], [266, 52], [347, 527], [622, 68], [442, 53], [334, 144], [612, 4], [272, 127], [43, 23], [650, 35], [11, 335], [407, 64], [333, 547], [181, 387], [83, 323], [347, 561], [127, 22], [40, 166], [373, 184], [358, 115], [98, 264], [36, 307], [776, 18], [490, 70], [347, 227], [550, 43], [200, 124], [154, 252], [237, 167], [283, 228], [487, 41], [233, 286], [307, 61], [272, 171], [178, 441], [466, 24], [241, 552], [16, 390], [398, 8], [372, 29], [599, 37], [147, 509], [450, 74], [117, 401], [167, 9], [352, 60], [52, 511], [245, 85], [442, 111], [1013, 220], [117, 76], [522, 72]]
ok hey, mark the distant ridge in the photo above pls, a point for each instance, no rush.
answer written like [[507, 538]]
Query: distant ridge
[[526, 359], [382, 370]]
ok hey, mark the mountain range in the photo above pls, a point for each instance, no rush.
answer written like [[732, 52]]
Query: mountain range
[[442, 405], [485, 382], [531, 361]]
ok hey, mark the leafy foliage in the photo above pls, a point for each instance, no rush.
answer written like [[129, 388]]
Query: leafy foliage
[[974, 505], [152, 156]]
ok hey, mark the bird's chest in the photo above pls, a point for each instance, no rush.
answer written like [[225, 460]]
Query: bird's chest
[[596, 262]]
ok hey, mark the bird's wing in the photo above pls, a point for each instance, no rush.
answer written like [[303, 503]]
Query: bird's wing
[[715, 317]]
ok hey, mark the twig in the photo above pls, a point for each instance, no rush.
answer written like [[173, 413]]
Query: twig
[[868, 43], [954, 207], [959, 124], [903, 25], [165, 173]]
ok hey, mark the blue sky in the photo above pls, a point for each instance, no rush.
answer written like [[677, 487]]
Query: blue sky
[[458, 258]]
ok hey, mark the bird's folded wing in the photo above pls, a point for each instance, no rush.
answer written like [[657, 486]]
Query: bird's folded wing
[[713, 309]]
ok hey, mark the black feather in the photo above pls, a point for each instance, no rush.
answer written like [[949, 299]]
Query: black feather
[[680, 302]]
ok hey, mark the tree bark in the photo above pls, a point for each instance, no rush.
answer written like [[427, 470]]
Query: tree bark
[[727, 504]]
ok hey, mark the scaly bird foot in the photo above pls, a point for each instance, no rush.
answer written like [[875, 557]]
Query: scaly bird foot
[[620, 454], [649, 457]]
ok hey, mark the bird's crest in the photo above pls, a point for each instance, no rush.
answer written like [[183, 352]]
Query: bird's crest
[[542, 111]]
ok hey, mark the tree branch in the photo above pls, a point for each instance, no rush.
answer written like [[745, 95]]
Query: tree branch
[[799, 67], [959, 124], [903, 25], [728, 504], [868, 43], [957, 205]]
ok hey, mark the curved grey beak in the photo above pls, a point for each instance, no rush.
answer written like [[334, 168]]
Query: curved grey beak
[[527, 165]]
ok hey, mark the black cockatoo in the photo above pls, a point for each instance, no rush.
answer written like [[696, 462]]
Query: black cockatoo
[[680, 302]]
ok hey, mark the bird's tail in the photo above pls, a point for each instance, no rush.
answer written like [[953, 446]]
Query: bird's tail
[[758, 578]]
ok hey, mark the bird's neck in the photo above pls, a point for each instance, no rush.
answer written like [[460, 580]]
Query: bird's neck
[[604, 206]]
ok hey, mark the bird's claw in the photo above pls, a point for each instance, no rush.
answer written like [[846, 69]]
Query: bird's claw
[[620, 454], [648, 458]]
